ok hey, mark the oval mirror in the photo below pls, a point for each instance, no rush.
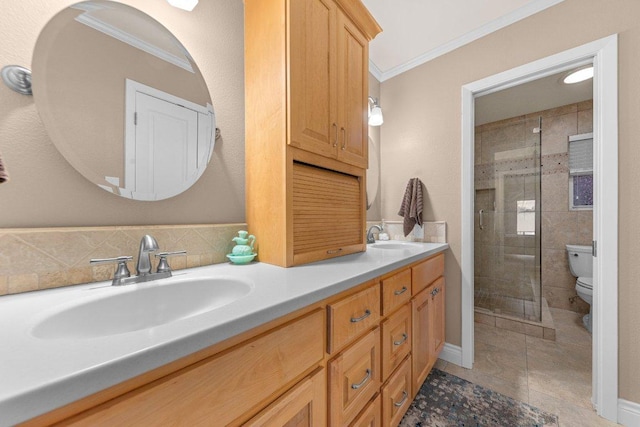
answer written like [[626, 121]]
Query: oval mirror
[[373, 174], [123, 100]]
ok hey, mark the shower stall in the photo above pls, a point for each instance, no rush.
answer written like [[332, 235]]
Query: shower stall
[[507, 234]]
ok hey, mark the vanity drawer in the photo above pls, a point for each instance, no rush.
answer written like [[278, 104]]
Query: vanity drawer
[[396, 395], [371, 415], [423, 274], [396, 340], [354, 378], [223, 387], [352, 316], [396, 290]]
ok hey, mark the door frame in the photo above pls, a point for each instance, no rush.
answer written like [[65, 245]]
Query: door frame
[[603, 54]]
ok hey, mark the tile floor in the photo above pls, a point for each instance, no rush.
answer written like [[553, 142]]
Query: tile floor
[[552, 375]]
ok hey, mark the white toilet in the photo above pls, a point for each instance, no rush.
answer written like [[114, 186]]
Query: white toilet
[[581, 266]]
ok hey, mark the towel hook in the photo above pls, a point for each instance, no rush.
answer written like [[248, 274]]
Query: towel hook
[[17, 78]]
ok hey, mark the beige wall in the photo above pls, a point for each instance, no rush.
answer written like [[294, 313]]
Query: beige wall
[[45, 191], [422, 133]]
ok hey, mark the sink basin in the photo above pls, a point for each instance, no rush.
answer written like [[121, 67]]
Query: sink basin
[[134, 308], [394, 245]]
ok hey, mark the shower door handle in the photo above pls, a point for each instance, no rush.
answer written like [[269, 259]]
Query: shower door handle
[[481, 214]]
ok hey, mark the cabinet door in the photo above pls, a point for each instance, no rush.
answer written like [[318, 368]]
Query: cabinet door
[[312, 84], [437, 320], [353, 76], [421, 339], [327, 214], [302, 406]]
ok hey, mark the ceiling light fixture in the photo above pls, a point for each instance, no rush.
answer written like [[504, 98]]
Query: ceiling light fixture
[[375, 112], [579, 75], [184, 4]]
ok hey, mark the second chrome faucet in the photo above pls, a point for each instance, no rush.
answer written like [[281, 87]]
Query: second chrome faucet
[[148, 244]]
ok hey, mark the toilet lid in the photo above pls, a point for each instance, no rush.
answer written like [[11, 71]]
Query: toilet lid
[[586, 282]]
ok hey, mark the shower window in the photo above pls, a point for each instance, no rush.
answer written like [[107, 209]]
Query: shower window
[[526, 218], [581, 171]]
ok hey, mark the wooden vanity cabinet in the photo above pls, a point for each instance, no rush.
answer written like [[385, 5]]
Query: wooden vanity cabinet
[[306, 89], [338, 362]]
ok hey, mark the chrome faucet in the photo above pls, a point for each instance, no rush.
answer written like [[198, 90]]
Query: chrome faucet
[[370, 238], [148, 244]]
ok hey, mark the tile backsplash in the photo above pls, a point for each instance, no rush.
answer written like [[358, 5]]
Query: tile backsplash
[[42, 258], [430, 232]]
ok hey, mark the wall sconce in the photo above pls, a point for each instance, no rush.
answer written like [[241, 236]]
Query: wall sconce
[[183, 4], [375, 112]]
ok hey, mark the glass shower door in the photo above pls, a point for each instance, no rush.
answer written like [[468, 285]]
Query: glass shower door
[[508, 220]]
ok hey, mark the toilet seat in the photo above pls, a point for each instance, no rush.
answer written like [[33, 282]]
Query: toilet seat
[[585, 283]]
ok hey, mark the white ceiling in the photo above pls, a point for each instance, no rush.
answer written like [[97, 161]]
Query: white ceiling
[[538, 95], [416, 31]]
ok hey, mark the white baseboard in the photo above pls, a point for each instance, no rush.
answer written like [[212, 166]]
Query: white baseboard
[[628, 412], [452, 354]]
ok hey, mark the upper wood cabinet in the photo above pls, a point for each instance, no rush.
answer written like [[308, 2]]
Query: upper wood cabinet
[[328, 82], [306, 88]]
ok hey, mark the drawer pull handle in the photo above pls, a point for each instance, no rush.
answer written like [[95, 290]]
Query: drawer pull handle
[[366, 314], [404, 399], [401, 291], [404, 338], [364, 380], [335, 129], [334, 251]]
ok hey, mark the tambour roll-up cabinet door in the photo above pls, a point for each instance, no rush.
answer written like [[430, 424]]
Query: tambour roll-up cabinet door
[[327, 215]]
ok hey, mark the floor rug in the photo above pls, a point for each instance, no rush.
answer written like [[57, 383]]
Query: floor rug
[[445, 400]]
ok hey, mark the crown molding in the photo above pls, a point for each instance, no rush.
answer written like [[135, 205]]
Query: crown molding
[[490, 27]]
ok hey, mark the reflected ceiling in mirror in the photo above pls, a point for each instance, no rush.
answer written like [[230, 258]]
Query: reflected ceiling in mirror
[[123, 101]]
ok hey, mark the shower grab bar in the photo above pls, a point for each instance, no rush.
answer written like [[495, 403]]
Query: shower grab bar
[[481, 213]]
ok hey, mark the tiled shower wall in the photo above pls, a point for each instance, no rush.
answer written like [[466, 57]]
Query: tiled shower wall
[[560, 226], [33, 259]]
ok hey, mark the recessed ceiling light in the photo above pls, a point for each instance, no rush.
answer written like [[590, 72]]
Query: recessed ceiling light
[[183, 4], [579, 75]]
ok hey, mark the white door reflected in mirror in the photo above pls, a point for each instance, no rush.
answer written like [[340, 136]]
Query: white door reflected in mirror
[[167, 143]]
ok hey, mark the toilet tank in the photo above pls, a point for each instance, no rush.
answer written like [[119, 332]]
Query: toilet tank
[[580, 260]]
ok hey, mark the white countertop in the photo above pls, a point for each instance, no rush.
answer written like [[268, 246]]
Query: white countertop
[[39, 375]]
